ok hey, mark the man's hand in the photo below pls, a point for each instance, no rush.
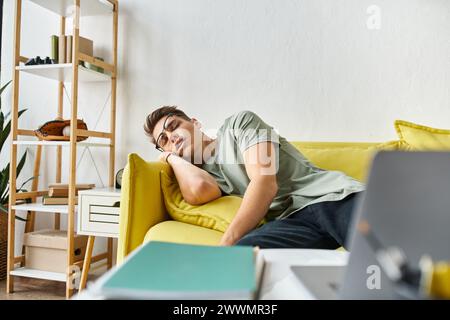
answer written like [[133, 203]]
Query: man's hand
[[164, 155], [228, 239], [196, 185]]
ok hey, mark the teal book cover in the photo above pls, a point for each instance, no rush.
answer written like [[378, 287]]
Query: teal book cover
[[162, 270]]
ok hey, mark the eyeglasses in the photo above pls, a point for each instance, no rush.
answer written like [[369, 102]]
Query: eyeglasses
[[168, 126]]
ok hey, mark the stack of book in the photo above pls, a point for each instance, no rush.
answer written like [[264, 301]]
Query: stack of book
[[61, 48], [58, 193]]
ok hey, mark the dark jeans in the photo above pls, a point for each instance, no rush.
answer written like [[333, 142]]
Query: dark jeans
[[322, 225]]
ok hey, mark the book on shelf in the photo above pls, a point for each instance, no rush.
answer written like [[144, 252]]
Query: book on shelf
[[62, 189], [69, 49], [54, 48], [66, 185], [47, 200], [86, 46], [62, 49], [163, 270]]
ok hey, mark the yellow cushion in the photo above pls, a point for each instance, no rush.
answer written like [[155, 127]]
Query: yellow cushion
[[420, 137], [179, 232], [351, 158], [140, 207], [216, 215]]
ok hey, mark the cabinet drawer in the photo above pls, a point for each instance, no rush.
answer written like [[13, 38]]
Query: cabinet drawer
[[105, 201], [99, 215], [104, 210], [107, 218]]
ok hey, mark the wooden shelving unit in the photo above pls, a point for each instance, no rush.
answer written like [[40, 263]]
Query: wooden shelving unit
[[72, 73]]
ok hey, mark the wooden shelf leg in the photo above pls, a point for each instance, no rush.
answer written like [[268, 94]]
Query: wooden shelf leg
[[73, 147], [110, 253], [31, 216], [10, 262], [87, 262], [62, 32], [13, 162]]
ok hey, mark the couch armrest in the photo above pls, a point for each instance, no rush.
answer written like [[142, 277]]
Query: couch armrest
[[141, 204]]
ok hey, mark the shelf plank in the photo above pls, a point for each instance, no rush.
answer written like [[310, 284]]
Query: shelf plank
[[101, 191], [96, 62], [60, 143], [97, 134], [65, 7], [43, 208], [39, 274], [63, 72]]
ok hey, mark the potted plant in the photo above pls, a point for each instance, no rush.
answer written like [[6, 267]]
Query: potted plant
[[4, 186]]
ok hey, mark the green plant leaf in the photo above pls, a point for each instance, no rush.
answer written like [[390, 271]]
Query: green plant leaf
[[4, 179], [26, 181], [4, 174], [4, 134], [3, 209], [6, 198], [21, 219], [2, 120], [2, 116], [2, 89], [4, 86], [21, 163]]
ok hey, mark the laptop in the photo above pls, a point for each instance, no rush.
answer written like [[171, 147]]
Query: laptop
[[407, 206]]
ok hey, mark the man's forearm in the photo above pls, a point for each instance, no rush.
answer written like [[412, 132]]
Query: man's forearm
[[256, 202], [184, 170], [189, 178]]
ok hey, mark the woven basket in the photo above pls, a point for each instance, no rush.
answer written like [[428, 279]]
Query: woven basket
[[3, 244]]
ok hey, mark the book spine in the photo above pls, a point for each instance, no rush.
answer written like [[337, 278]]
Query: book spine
[[62, 49], [57, 200], [54, 48], [63, 192], [69, 49], [58, 192], [66, 186], [86, 46]]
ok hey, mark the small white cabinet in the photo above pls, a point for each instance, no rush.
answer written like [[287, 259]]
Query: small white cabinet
[[99, 211]]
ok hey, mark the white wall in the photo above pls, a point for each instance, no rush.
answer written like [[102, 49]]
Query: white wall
[[311, 68]]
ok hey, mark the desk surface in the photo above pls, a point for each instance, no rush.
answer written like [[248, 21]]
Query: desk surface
[[279, 282]]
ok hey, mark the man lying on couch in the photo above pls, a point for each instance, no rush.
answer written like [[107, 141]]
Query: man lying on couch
[[304, 206]]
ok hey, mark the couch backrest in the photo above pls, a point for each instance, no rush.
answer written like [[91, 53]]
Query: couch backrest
[[352, 158]]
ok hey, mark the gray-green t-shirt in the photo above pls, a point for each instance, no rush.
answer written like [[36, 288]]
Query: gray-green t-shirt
[[300, 183]]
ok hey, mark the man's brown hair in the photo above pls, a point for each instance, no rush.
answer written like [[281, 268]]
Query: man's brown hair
[[155, 116]]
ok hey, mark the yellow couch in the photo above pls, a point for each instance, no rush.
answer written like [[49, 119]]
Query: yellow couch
[[144, 216]]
